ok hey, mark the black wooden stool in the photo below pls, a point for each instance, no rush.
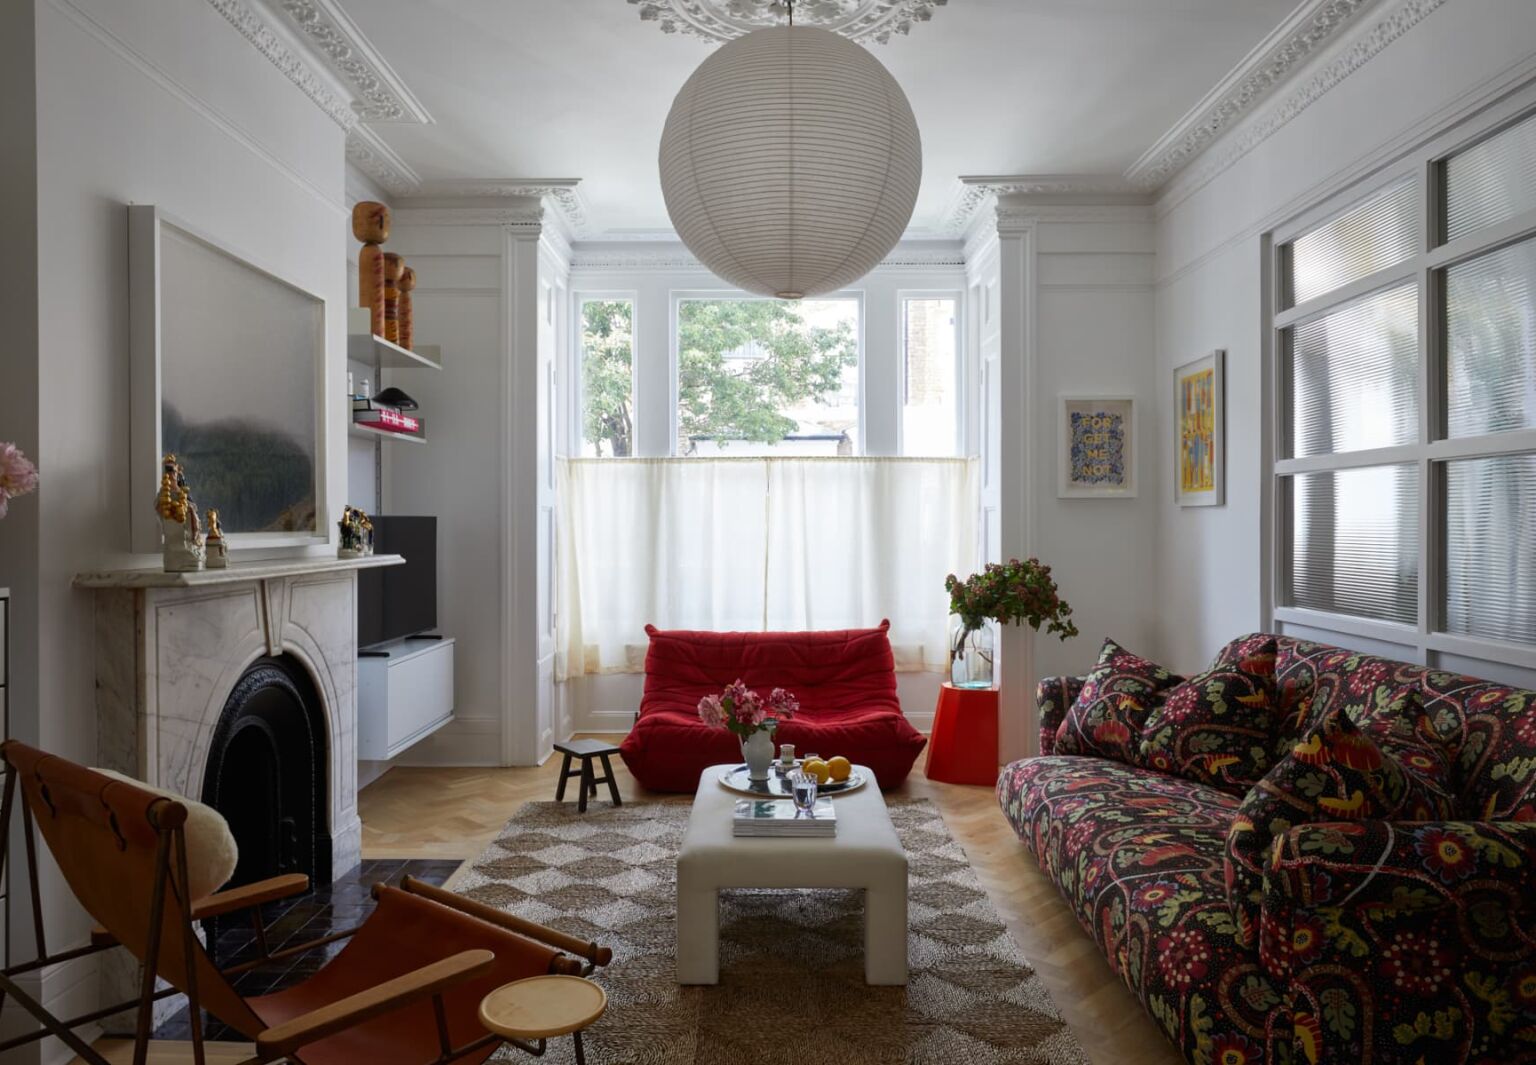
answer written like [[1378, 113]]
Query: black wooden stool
[[587, 750]]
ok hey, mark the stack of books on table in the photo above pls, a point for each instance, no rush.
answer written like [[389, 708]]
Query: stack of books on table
[[778, 817]]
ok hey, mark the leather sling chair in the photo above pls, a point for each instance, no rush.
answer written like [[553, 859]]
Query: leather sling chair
[[405, 990]]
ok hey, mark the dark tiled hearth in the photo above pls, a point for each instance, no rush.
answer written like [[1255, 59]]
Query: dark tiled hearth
[[292, 921]]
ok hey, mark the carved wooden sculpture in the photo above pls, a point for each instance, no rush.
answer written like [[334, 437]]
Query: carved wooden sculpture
[[407, 316], [370, 224], [393, 265]]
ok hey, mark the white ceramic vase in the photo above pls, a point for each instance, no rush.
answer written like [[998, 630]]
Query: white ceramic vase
[[757, 749]]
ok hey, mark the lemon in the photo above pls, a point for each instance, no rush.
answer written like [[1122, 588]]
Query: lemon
[[839, 767], [818, 769]]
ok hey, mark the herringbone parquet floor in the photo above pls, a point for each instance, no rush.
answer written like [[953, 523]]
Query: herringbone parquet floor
[[456, 812]]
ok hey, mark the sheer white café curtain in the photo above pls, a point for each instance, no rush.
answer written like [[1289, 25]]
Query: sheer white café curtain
[[759, 544]]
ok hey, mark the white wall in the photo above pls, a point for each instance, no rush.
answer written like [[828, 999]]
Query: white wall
[[143, 101], [1209, 561], [1061, 291], [458, 474]]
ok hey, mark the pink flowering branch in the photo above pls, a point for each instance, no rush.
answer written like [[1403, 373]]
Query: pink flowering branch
[[18, 475]]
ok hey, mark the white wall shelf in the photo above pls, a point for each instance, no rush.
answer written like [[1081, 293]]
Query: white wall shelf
[[368, 347], [404, 694], [368, 432]]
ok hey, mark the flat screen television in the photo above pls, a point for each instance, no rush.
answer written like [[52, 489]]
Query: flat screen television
[[394, 602]]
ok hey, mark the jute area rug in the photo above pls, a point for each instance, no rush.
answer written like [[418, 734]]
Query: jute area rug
[[791, 962]]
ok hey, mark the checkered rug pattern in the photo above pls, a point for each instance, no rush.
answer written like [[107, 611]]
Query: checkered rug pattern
[[791, 962]]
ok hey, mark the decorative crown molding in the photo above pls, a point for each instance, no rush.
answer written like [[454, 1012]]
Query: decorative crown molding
[[673, 256], [864, 21], [367, 151], [1260, 127], [973, 192], [562, 193], [1276, 57], [378, 93], [293, 65], [530, 215]]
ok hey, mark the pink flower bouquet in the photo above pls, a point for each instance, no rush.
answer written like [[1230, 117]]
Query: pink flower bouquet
[[743, 711], [17, 475]]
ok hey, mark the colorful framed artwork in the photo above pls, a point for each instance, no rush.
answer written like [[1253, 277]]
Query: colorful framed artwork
[[1096, 447], [1199, 405]]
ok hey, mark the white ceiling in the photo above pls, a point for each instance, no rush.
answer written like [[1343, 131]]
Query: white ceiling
[[581, 88]]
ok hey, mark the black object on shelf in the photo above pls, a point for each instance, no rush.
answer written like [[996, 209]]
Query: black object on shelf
[[396, 398]]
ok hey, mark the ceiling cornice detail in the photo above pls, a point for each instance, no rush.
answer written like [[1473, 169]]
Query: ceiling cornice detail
[[367, 151], [1368, 44], [563, 194], [529, 215], [865, 21], [973, 192], [674, 257], [293, 64], [1285, 49], [378, 93]]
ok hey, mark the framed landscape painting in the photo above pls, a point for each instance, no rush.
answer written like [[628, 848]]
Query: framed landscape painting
[[228, 364], [1199, 405], [1096, 451]]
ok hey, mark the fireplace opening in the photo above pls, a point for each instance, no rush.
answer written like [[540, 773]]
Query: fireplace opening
[[267, 767]]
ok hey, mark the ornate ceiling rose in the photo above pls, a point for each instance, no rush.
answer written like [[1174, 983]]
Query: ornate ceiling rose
[[864, 21]]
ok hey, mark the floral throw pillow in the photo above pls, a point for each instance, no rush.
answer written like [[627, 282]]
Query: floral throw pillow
[[1218, 728], [1336, 772], [1106, 717]]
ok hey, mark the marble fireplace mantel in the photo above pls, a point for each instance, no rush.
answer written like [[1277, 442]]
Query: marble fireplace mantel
[[234, 573], [170, 648]]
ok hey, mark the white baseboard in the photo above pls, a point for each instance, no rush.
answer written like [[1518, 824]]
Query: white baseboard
[[66, 990], [463, 741]]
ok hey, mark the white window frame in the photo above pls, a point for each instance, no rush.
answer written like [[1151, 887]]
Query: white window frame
[[1423, 641], [575, 440], [961, 365], [677, 296]]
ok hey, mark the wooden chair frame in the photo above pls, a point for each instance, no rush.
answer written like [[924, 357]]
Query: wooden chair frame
[[281, 1041]]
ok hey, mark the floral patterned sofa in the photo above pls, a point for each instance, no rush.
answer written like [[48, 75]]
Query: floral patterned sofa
[[1379, 941]]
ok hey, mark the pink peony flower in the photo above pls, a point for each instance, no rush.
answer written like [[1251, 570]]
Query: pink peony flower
[[712, 711], [782, 703], [17, 475]]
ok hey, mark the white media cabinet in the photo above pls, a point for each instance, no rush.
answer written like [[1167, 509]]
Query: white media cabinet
[[404, 694]]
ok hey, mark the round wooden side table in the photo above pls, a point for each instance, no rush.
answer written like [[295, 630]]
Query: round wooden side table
[[542, 1007]]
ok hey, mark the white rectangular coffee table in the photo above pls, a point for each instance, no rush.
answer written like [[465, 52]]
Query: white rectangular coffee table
[[865, 853]]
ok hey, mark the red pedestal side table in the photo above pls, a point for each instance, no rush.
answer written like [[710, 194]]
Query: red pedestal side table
[[962, 748]]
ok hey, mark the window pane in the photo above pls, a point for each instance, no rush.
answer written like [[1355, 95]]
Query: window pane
[[767, 377], [928, 340], [1379, 233], [1491, 181], [1490, 308], [1490, 547], [607, 378], [1354, 376], [1354, 542]]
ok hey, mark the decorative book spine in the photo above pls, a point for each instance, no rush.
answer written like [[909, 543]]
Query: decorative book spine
[[370, 224], [407, 315], [393, 265]]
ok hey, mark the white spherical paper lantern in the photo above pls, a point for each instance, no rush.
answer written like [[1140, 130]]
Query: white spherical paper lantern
[[790, 162]]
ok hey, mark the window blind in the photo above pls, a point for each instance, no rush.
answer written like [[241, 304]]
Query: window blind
[[1379, 233], [1354, 376], [1492, 181], [1354, 542], [1490, 307], [1490, 547]]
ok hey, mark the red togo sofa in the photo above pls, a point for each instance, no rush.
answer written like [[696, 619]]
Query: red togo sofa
[[845, 681]]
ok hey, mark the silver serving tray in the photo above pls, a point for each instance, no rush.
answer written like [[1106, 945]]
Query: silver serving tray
[[777, 785]]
